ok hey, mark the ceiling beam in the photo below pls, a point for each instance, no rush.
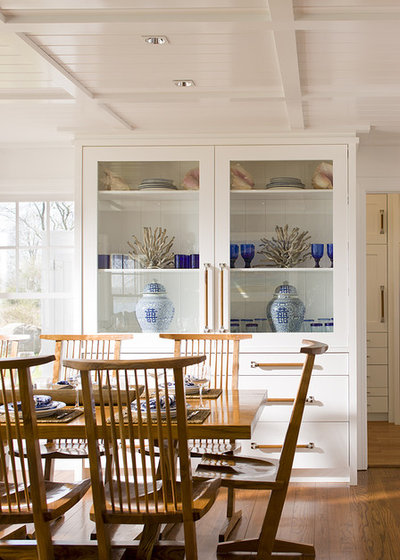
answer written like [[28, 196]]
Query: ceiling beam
[[282, 19], [69, 79], [71, 16], [35, 94]]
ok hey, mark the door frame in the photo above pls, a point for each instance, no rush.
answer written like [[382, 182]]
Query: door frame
[[367, 185]]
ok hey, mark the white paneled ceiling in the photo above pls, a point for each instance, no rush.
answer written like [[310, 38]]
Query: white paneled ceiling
[[258, 66]]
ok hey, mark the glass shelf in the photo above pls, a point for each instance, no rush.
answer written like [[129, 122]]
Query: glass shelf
[[289, 270]]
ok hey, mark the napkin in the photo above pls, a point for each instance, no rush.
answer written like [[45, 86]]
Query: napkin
[[153, 403], [41, 401]]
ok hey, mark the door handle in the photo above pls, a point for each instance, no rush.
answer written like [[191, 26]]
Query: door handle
[[222, 268], [207, 268], [382, 213], [382, 289]]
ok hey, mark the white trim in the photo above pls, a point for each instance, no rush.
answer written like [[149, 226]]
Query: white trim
[[142, 139], [365, 185]]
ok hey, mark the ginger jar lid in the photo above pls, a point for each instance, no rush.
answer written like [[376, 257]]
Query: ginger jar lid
[[285, 289], [154, 287]]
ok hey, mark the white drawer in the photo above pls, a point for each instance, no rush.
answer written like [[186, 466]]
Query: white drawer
[[330, 397], [377, 356], [377, 404], [330, 454], [377, 376], [376, 339], [326, 364]]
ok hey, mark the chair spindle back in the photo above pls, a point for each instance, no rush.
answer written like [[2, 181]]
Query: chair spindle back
[[87, 346], [221, 350]]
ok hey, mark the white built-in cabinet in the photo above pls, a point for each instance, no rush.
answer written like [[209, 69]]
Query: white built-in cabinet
[[218, 297], [377, 306]]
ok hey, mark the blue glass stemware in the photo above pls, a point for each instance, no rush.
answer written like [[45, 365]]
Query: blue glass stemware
[[247, 251], [329, 252], [317, 252], [234, 254]]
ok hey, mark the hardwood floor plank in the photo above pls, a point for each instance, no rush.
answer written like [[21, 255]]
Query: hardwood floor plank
[[344, 523], [383, 445]]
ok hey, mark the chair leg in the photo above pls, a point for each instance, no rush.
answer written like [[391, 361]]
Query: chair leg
[[306, 550], [48, 469], [148, 539], [232, 517]]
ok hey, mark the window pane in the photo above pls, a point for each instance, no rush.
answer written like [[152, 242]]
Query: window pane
[[62, 223], [30, 273], [7, 270], [32, 224], [7, 223], [61, 264], [15, 314]]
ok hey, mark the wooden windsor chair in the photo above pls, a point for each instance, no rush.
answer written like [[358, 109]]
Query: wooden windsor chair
[[25, 497], [152, 488], [240, 472], [9, 344], [222, 352], [68, 346]]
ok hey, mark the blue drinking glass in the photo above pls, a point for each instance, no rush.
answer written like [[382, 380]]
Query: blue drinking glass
[[317, 252], [329, 252], [234, 254], [247, 251]]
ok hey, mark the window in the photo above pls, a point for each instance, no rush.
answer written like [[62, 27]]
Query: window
[[36, 269]]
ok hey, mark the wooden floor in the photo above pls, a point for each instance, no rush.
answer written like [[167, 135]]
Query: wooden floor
[[345, 523], [383, 444]]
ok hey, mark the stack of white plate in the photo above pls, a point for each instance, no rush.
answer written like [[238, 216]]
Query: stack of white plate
[[285, 183], [43, 408], [157, 183]]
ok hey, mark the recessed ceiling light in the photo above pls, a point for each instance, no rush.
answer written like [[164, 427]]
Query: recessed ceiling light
[[156, 40], [184, 83]]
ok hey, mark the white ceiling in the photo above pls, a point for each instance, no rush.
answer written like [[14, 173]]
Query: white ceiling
[[259, 67]]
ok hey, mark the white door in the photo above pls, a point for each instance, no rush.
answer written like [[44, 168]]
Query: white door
[[130, 194], [377, 218], [377, 315]]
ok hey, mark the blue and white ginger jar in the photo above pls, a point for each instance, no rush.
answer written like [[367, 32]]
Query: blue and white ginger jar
[[154, 310], [286, 310]]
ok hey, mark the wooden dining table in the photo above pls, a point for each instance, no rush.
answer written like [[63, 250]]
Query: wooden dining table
[[233, 415]]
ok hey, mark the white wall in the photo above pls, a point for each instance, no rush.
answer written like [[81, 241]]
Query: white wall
[[32, 169], [380, 166]]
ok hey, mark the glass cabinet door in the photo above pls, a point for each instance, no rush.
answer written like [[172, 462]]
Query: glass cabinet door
[[283, 241], [150, 248]]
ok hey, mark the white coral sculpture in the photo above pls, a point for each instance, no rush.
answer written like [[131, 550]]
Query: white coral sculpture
[[288, 249], [155, 251]]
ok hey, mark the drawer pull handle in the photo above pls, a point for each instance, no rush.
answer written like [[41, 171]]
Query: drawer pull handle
[[222, 268], [207, 267], [254, 445], [276, 365], [274, 400], [382, 213]]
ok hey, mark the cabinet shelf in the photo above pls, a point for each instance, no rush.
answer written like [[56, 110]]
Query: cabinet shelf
[[275, 269], [308, 194], [150, 271]]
